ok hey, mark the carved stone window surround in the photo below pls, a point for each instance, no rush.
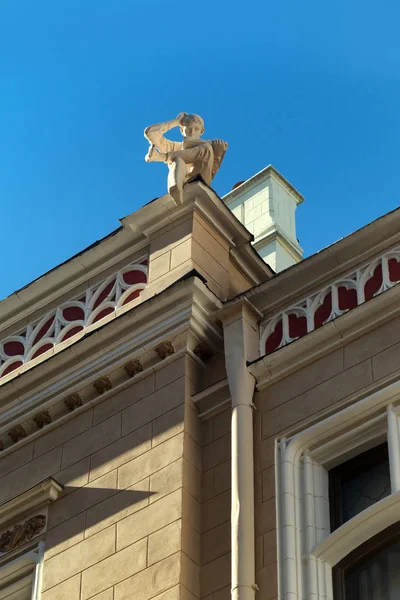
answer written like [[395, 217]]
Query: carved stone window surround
[[20, 578], [22, 533], [308, 550], [23, 520]]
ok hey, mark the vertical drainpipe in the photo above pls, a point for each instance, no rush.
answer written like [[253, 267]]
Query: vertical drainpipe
[[37, 580], [240, 325]]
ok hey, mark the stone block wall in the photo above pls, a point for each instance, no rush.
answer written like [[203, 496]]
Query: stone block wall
[[216, 508], [128, 521], [355, 370], [190, 243]]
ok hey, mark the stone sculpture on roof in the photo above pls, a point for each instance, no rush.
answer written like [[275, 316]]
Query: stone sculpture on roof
[[193, 156]]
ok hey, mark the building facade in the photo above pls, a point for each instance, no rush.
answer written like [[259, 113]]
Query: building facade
[[180, 421]]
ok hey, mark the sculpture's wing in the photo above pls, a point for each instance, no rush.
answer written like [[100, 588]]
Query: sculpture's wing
[[219, 148]]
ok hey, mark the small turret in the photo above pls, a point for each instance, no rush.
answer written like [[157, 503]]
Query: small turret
[[266, 205]]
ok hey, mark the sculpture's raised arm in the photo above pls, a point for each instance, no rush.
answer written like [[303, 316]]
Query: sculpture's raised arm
[[189, 158], [155, 134]]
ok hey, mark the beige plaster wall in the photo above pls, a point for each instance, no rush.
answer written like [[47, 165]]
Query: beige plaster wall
[[356, 369], [128, 522]]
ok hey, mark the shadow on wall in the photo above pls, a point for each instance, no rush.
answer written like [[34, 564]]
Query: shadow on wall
[[91, 509], [120, 473]]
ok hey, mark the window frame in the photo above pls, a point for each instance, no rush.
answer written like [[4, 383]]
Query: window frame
[[374, 456], [361, 555], [308, 550], [30, 562]]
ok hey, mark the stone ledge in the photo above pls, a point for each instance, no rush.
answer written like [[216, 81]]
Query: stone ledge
[[36, 497]]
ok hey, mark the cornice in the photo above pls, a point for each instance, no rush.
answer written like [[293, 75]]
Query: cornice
[[179, 313], [80, 396], [251, 264], [198, 196], [380, 273], [70, 278], [79, 315], [235, 308], [213, 399], [156, 215], [127, 244], [277, 233], [320, 342], [32, 500], [319, 270]]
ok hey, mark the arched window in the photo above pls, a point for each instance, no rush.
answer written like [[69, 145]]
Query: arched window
[[371, 571], [358, 483], [338, 487]]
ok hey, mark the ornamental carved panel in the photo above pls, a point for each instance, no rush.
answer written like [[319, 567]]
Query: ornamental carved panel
[[71, 318], [341, 296], [21, 533]]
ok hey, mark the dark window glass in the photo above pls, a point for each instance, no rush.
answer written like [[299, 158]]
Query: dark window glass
[[372, 571], [357, 484], [377, 578]]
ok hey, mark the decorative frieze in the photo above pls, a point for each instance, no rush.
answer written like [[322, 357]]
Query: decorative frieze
[[21, 533], [17, 433], [42, 419], [329, 303], [73, 402], [63, 324], [89, 393], [104, 384], [133, 367], [165, 349]]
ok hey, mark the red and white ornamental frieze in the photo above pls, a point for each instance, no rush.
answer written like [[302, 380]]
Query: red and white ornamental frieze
[[326, 305], [72, 317]]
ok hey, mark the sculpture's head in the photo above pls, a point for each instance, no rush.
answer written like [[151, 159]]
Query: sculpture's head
[[192, 126]]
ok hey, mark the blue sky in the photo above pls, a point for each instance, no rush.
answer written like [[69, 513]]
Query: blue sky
[[312, 87]]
